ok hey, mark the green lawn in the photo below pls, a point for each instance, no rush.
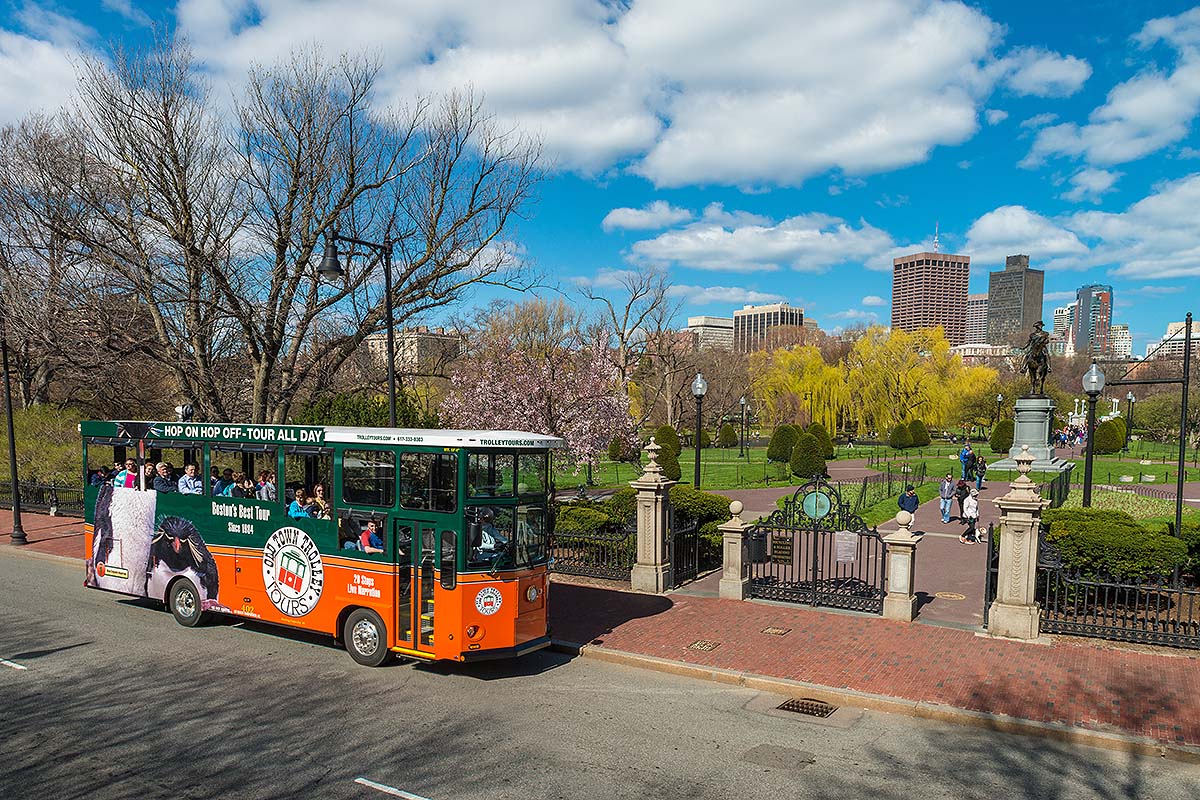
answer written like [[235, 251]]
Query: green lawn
[[720, 468], [1147, 509]]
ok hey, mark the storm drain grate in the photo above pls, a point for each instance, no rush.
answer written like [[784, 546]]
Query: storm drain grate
[[809, 706], [703, 645], [773, 631]]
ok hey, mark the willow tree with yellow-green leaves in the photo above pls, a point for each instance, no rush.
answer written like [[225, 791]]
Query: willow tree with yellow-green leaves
[[788, 382]]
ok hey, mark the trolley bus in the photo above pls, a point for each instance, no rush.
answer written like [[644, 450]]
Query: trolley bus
[[428, 543]]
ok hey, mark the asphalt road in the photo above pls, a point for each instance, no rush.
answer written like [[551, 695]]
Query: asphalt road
[[117, 700]]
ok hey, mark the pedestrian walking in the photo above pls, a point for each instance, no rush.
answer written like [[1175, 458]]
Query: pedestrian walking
[[946, 496], [966, 456], [980, 471], [971, 515], [961, 492], [909, 501]]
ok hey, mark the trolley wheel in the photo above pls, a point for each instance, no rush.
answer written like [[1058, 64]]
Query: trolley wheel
[[365, 637], [184, 602]]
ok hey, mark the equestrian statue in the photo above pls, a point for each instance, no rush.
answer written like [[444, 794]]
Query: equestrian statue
[[1037, 359]]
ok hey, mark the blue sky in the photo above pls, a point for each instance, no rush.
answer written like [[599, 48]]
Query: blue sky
[[771, 150]]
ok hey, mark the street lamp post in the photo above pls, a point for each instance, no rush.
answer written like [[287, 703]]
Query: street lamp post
[[699, 387], [18, 532], [1129, 401], [742, 429], [1093, 385], [331, 270], [999, 400]]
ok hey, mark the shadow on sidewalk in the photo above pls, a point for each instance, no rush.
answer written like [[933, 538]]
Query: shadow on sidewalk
[[584, 614], [1030, 766]]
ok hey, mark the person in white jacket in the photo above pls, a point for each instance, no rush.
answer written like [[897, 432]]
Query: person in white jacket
[[971, 515]]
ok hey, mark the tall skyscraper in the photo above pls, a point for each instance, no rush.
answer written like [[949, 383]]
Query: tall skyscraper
[[1093, 319], [930, 290], [710, 332], [1172, 343], [1064, 318], [1014, 300], [751, 323], [977, 319]]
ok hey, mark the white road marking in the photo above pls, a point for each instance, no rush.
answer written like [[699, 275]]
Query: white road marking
[[391, 790], [12, 664]]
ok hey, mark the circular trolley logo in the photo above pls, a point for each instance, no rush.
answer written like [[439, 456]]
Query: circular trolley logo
[[488, 601], [292, 571]]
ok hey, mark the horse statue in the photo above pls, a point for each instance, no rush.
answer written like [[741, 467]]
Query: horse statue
[[1037, 359]]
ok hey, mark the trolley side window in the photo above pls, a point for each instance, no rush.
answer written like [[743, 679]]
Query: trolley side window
[[490, 474], [369, 477], [429, 481], [532, 474]]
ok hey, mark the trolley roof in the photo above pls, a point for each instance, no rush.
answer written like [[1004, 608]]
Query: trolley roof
[[133, 430]]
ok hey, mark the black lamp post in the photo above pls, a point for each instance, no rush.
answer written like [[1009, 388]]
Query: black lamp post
[[999, 401], [1129, 400], [742, 429], [699, 387], [331, 271], [1093, 385], [18, 533]]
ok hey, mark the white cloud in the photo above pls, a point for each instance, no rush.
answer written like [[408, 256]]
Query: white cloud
[[995, 116], [1090, 184], [1055, 297], [806, 243], [1145, 113], [729, 295], [1155, 238], [703, 92], [1044, 74], [1039, 120], [855, 314], [659, 214], [873, 300], [127, 10], [35, 75]]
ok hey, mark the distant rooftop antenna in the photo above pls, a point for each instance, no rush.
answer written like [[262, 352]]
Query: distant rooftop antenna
[[935, 237]]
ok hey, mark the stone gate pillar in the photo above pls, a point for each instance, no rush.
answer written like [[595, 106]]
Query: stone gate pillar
[[901, 599], [735, 575], [652, 572], [1014, 613]]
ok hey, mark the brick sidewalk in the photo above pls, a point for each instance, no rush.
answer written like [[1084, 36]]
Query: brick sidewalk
[[60, 536], [1073, 682]]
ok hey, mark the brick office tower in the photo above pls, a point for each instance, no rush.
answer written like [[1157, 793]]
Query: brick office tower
[[930, 289], [1014, 301]]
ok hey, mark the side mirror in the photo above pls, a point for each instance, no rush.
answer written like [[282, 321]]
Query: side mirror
[[449, 559], [474, 534]]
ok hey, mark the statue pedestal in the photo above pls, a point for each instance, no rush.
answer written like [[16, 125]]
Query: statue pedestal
[[1034, 418]]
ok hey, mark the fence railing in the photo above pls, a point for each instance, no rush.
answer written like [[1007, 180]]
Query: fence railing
[[876, 488], [47, 498], [1057, 490], [607, 552], [686, 552]]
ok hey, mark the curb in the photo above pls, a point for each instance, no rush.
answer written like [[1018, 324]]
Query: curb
[[1119, 742], [25, 552]]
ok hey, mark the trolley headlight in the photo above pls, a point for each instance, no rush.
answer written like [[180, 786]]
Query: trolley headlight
[[531, 594]]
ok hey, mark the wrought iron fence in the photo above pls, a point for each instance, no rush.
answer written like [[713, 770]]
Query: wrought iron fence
[[1057, 490], [876, 488], [606, 552], [47, 498], [991, 573], [685, 551]]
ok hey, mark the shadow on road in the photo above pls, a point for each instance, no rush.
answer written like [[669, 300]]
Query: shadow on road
[[584, 614]]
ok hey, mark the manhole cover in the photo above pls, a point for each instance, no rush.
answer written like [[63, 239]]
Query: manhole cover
[[704, 645], [773, 631], [809, 706], [949, 596]]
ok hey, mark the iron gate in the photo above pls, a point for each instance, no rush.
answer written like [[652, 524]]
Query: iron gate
[[817, 552], [684, 551]]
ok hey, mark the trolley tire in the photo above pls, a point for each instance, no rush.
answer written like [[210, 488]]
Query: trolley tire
[[365, 638], [184, 601]]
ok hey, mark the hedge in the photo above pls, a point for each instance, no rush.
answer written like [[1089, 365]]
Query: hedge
[[693, 505], [666, 438], [578, 519], [727, 436], [1109, 438], [1001, 439], [668, 459], [822, 436], [781, 444], [806, 459], [919, 433], [1112, 543], [900, 438]]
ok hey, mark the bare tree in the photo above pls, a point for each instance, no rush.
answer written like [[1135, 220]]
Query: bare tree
[[213, 227]]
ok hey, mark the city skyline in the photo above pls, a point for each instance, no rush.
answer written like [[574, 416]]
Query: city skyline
[[790, 162]]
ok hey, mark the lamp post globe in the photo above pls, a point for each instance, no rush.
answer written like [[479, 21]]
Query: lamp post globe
[[699, 389], [330, 268], [1093, 385]]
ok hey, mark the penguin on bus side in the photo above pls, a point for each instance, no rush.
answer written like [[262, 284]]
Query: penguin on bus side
[[178, 549]]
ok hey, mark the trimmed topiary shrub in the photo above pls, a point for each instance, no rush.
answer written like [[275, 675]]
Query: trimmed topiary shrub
[[616, 449], [1119, 424], [781, 444], [822, 436], [622, 504], [578, 519], [806, 461], [668, 459], [1112, 543], [1190, 536], [693, 505], [705, 439], [727, 436], [900, 438], [919, 433], [1002, 436], [666, 438], [1109, 438]]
